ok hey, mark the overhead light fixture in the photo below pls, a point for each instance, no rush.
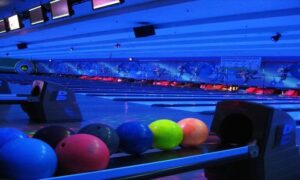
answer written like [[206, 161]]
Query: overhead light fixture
[[3, 26], [276, 37], [14, 22], [37, 15], [60, 9], [104, 3]]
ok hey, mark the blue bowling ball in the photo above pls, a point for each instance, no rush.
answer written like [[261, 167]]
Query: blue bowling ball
[[27, 159], [135, 137], [10, 134]]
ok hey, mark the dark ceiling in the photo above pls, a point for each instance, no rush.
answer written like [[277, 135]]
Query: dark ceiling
[[184, 28]]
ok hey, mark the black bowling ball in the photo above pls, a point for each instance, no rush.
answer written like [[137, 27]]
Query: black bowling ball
[[106, 133], [52, 135]]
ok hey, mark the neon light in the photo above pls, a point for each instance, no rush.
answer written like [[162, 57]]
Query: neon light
[[14, 22], [64, 9], [103, 3], [35, 8], [3, 31], [33, 13]]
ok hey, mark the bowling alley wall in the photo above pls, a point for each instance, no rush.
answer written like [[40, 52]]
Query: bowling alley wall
[[251, 71]]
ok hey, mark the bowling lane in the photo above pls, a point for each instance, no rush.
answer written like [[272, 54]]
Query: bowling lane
[[291, 105], [139, 90], [204, 103], [114, 113], [293, 108], [195, 109], [100, 110], [150, 94], [163, 103], [112, 96], [208, 107], [286, 107], [195, 99], [107, 111], [154, 103], [117, 91]]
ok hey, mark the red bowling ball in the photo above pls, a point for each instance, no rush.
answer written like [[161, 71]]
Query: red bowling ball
[[195, 132], [81, 153]]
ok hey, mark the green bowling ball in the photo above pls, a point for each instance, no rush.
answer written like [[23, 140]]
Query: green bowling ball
[[166, 134]]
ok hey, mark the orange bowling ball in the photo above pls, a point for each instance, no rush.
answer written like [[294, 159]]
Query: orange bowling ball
[[195, 132]]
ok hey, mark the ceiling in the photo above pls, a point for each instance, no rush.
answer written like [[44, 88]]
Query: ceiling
[[184, 28], [9, 7]]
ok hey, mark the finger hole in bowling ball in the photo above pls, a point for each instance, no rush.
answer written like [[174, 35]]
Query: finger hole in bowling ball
[[236, 129], [63, 144]]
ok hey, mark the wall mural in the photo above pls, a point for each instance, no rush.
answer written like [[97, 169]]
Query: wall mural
[[260, 73]]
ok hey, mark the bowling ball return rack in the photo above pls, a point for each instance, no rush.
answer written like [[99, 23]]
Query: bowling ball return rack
[[256, 142], [47, 103], [156, 163]]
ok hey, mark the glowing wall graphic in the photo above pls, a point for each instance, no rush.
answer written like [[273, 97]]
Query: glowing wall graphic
[[269, 74]]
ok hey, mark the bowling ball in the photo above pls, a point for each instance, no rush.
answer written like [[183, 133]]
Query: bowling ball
[[10, 134], [27, 159], [53, 134], [81, 153], [106, 133], [135, 137], [166, 134], [195, 132]]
